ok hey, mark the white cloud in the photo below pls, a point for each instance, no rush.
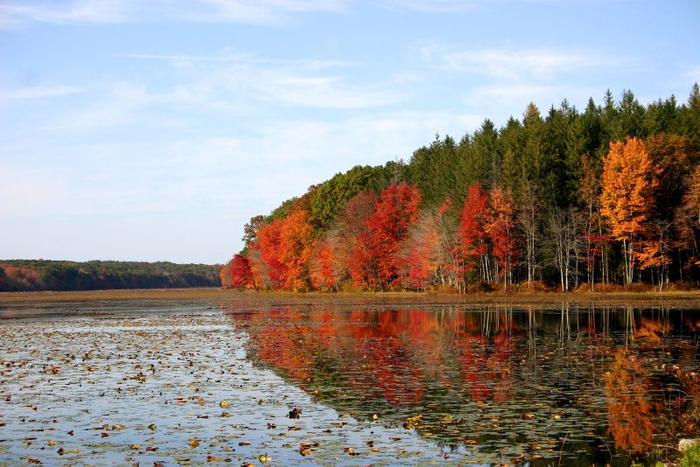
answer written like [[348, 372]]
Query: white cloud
[[312, 64], [37, 92], [118, 11], [119, 106], [501, 100], [223, 180], [434, 6], [81, 11], [257, 11], [330, 92], [512, 64], [249, 88]]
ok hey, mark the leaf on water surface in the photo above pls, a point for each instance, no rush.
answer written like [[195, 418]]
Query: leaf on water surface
[[104, 435], [134, 447], [152, 427], [412, 422], [224, 404], [62, 451], [307, 447], [264, 458], [194, 442], [52, 443], [295, 412]]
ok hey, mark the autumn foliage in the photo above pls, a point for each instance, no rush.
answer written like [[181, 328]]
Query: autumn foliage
[[563, 201]]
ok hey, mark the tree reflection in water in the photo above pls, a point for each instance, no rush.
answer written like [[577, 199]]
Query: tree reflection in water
[[580, 383]]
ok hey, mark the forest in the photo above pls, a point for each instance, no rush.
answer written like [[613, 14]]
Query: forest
[[36, 275], [599, 199]]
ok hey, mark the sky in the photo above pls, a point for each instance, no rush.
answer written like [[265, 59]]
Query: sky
[[153, 130]]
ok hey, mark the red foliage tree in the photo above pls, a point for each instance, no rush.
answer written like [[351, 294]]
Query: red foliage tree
[[241, 276], [420, 254], [472, 227], [323, 266], [394, 212]]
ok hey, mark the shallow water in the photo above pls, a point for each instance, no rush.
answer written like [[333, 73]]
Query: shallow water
[[120, 383]]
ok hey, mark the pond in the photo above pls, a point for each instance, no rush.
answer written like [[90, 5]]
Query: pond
[[159, 382]]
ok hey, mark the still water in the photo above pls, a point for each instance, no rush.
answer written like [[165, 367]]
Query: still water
[[196, 382]]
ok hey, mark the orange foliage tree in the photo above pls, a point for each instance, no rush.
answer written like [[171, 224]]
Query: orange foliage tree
[[501, 232], [285, 248], [295, 250], [627, 193], [630, 412], [269, 239]]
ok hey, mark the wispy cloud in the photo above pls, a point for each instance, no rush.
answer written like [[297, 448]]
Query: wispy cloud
[[117, 11], [434, 6], [319, 91], [512, 64], [179, 59], [80, 11], [36, 92], [257, 11], [119, 105]]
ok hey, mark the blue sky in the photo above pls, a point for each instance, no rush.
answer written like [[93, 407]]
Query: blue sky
[[154, 130]]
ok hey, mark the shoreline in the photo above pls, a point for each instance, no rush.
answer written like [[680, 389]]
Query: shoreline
[[675, 298]]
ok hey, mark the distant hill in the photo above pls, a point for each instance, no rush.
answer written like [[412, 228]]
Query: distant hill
[[36, 275]]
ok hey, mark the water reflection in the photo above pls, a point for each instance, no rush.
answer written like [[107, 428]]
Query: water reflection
[[593, 384]]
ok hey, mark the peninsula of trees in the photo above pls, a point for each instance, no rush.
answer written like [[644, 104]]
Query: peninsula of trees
[[34, 275], [609, 195]]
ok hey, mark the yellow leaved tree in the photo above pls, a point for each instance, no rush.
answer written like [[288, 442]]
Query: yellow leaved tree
[[627, 196]]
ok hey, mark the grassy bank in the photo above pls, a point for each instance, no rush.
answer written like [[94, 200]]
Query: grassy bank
[[675, 298]]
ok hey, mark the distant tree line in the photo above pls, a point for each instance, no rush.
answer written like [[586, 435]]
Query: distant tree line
[[36, 275], [607, 195]]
